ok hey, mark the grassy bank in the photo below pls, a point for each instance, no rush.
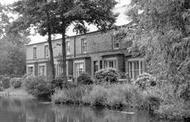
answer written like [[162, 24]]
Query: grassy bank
[[115, 96]]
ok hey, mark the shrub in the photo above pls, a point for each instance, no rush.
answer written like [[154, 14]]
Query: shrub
[[97, 96], [73, 95], [1, 87], [84, 79], [16, 82], [145, 81], [107, 75], [5, 81], [184, 91], [38, 86]]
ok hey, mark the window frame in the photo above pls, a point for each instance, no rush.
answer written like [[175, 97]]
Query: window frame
[[83, 45], [132, 67], [46, 51], [34, 52], [39, 70], [68, 47]]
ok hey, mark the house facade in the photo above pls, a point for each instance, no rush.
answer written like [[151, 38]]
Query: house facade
[[85, 53]]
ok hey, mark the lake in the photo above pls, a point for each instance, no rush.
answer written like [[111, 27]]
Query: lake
[[15, 110]]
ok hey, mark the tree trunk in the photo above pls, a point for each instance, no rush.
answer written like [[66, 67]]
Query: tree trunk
[[50, 48], [64, 53]]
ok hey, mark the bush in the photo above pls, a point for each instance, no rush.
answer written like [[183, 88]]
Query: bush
[[145, 81], [38, 86], [1, 87], [5, 81], [16, 82], [72, 95], [84, 79], [97, 96], [107, 75]]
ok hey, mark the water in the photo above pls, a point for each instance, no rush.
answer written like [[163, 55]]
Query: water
[[14, 110]]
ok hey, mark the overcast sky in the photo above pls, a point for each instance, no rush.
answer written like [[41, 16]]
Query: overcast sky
[[120, 8]]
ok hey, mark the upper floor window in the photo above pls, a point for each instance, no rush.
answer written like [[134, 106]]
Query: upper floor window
[[116, 44], [84, 45], [34, 52], [68, 47], [46, 51]]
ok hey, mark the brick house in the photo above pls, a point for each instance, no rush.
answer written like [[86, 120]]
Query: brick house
[[85, 53]]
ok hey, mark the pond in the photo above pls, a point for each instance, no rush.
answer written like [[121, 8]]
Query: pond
[[15, 110]]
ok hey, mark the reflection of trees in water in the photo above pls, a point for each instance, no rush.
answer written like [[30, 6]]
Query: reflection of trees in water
[[32, 111], [26, 110]]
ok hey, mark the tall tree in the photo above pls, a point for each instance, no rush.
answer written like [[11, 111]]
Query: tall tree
[[79, 13], [38, 14], [164, 35]]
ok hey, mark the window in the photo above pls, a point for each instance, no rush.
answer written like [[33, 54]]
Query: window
[[46, 51], [42, 70], [136, 67], [83, 46], [30, 70], [79, 68], [34, 52], [110, 63], [116, 44], [68, 47], [95, 66]]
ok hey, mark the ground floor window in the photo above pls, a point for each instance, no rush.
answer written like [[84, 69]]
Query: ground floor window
[[42, 70], [110, 63], [30, 70], [136, 67], [79, 68]]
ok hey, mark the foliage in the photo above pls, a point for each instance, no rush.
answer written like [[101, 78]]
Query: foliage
[[5, 80], [16, 82], [71, 95], [84, 79], [145, 80], [107, 76], [38, 86], [97, 96]]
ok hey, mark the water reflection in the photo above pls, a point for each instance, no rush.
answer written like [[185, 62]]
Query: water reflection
[[12, 110]]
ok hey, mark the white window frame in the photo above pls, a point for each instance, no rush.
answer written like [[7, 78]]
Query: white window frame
[[28, 66], [39, 72], [34, 56], [114, 44], [46, 54], [84, 50], [141, 69], [110, 59], [76, 74], [68, 47]]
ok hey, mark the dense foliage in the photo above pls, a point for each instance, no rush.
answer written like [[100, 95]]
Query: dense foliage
[[108, 75], [39, 87], [84, 79], [16, 82]]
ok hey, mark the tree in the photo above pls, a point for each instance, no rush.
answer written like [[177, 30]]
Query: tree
[[80, 13], [12, 61], [38, 14], [163, 34]]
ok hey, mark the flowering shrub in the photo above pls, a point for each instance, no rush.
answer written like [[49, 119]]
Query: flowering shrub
[[145, 80], [109, 75]]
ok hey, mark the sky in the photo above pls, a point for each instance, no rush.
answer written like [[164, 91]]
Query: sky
[[119, 8]]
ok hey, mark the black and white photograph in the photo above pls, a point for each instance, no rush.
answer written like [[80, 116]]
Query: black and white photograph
[[94, 60]]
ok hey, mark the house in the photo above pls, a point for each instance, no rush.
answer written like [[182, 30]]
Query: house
[[85, 53]]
